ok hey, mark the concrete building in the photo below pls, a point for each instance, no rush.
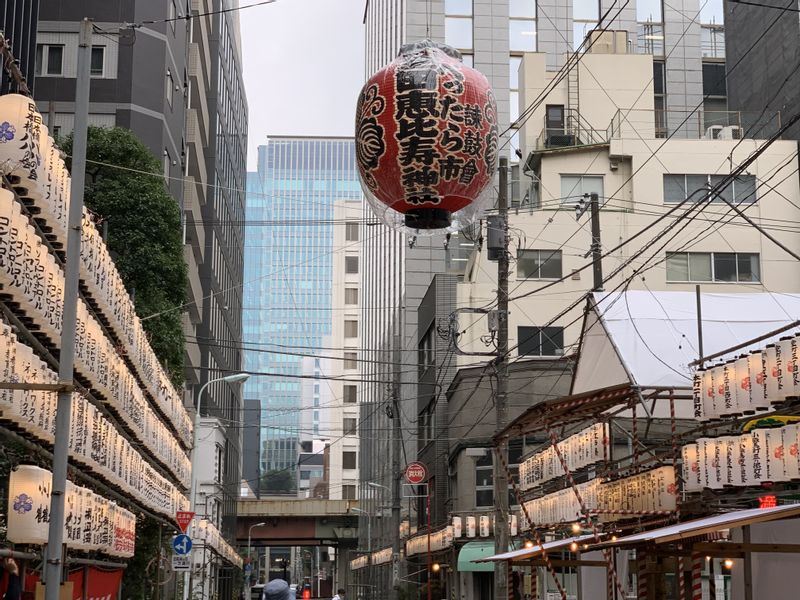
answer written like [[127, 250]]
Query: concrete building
[[343, 410], [18, 21], [617, 152], [138, 79], [288, 300], [766, 75]]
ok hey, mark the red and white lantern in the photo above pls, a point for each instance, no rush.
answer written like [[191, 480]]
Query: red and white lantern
[[427, 140]]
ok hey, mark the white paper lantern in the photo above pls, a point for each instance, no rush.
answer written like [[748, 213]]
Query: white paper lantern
[[757, 365], [773, 374], [28, 505], [790, 451], [692, 476], [457, 527]]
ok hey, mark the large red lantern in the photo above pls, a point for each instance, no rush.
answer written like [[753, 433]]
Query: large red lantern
[[426, 139]]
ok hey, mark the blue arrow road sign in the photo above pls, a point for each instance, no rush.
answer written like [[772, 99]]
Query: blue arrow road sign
[[182, 544]]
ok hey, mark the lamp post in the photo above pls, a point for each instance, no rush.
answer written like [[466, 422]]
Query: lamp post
[[195, 434], [372, 484], [250, 549], [193, 458], [369, 540]]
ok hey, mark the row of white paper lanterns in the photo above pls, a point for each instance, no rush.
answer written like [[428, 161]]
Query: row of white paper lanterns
[[653, 490], [93, 440], [750, 459], [92, 522], [38, 290], [585, 448], [481, 525], [44, 180], [206, 533], [750, 383]]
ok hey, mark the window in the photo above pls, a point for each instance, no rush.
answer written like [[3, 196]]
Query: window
[[349, 460], [350, 394], [585, 14], [170, 85], [678, 188], [98, 60], [351, 265], [351, 295], [349, 427], [484, 480], [348, 492], [167, 164], [540, 341], [351, 232], [722, 267], [350, 360], [522, 35], [574, 187], [458, 24], [425, 352], [350, 329], [49, 59], [538, 264]]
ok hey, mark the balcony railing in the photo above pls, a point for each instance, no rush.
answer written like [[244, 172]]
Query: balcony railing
[[650, 38], [695, 125], [575, 132], [712, 40]]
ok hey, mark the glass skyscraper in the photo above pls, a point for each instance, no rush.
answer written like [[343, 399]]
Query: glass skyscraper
[[287, 289]]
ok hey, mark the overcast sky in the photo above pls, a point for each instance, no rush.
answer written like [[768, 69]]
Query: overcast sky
[[303, 68]]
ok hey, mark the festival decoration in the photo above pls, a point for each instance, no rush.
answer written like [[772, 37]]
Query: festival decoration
[[748, 460], [92, 522], [427, 140], [585, 448]]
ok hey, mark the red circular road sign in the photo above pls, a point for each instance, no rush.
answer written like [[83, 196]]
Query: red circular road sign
[[416, 473]]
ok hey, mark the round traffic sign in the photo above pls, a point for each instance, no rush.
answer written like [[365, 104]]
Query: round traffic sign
[[182, 544], [416, 473]]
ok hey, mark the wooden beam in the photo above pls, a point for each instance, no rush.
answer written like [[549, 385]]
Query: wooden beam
[[558, 562], [717, 547]]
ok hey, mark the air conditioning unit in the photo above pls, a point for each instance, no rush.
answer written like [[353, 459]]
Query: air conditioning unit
[[714, 132], [732, 132]]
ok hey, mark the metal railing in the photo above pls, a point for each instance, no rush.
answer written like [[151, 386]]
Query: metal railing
[[575, 132], [689, 124]]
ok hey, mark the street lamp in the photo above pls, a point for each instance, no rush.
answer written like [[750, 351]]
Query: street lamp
[[250, 548], [369, 539], [372, 484], [236, 377]]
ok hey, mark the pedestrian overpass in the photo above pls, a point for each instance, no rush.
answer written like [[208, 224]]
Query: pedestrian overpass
[[297, 522]]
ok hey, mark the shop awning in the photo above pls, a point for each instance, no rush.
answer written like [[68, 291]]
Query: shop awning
[[473, 551], [706, 525], [524, 554]]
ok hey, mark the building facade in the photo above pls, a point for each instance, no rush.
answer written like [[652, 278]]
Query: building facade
[[18, 23], [766, 72], [288, 297], [221, 274]]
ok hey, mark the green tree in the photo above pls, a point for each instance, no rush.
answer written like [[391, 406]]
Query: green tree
[[125, 188], [278, 481]]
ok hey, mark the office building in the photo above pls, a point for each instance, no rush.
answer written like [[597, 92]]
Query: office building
[[18, 23], [764, 43], [288, 293]]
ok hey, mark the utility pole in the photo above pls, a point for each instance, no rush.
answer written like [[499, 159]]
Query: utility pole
[[595, 249], [501, 412], [55, 537], [394, 593]]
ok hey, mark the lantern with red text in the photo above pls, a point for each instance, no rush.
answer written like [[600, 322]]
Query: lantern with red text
[[426, 140]]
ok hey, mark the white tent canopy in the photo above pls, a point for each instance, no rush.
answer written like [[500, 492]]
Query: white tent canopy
[[648, 339]]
